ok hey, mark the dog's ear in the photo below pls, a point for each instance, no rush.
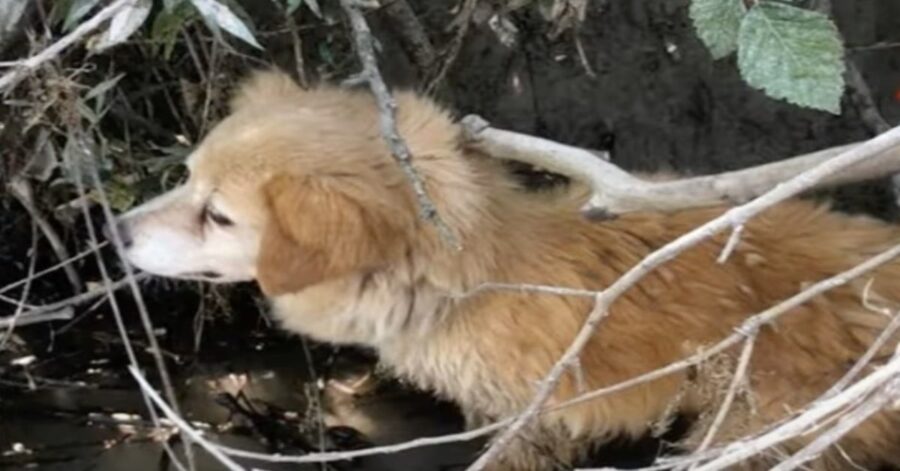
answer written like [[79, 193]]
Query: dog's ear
[[265, 87], [315, 233]]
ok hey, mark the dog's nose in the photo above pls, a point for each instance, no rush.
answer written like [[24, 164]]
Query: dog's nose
[[121, 229]]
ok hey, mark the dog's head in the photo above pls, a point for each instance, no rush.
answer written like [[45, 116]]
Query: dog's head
[[294, 188]]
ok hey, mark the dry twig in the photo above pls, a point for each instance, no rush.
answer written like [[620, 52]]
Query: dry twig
[[617, 192], [462, 22], [20, 188], [739, 377], [10, 323], [182, 425], [846, 423], [413, 38], [387, 108], [884, 379]]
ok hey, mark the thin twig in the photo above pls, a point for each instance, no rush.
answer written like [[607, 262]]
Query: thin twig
[[847, 422], [387, 108], [462, 21], [20, 188], [26, 65], [735, 216], [297, 47], [530, 288], [739, 378], [861, 97], [176, 419], [53, 268], [82, 298], [741, 450], [10, 323], [30, 318], [751, 324], [109, 290], [867, 357], [132, 281]]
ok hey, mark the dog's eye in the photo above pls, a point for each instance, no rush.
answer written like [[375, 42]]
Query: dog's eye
[[216, 217]]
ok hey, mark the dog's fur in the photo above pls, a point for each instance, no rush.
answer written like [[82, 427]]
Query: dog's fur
[[324, 219]]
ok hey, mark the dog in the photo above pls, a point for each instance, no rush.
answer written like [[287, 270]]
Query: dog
[[297, 191]]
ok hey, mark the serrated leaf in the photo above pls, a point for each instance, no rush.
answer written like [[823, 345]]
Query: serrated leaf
[[717, 23], [129, 18], [792, 54], [221, 16]]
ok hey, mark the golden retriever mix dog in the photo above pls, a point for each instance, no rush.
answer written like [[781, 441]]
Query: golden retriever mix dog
[[297, 190]]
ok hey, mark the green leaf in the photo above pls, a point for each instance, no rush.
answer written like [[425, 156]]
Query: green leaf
[[792, 54], [219, 15], [717, 23]]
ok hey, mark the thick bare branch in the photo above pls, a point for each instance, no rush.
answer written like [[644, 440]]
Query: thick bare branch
[[618, 192]]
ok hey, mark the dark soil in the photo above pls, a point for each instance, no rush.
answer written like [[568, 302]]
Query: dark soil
[[658, 102]]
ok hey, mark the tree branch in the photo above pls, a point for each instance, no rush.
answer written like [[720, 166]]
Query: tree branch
[[387, 108], [732, 218], [618, 192], [412, 35]]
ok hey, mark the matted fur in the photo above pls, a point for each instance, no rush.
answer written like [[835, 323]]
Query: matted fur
[[344, 258]]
